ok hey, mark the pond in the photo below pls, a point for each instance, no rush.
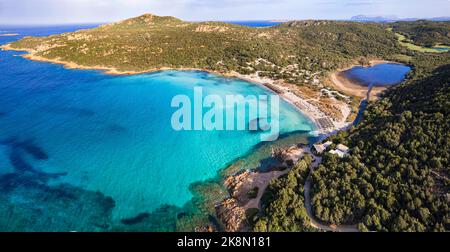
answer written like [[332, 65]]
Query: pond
[[386, 74]]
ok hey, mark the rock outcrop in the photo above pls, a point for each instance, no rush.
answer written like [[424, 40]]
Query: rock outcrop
[[232, 215]]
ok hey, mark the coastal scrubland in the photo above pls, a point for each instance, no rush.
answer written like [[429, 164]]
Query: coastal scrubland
[[286, 193], [296, 52]]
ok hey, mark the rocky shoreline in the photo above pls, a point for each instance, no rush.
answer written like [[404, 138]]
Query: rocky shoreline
[[247, 188]]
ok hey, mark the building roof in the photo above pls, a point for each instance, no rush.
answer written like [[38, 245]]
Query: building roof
[[340, 153], [320, 148], [342, 148]]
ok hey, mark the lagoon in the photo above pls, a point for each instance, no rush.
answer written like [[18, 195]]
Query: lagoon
[[379, 75], [386, 74]]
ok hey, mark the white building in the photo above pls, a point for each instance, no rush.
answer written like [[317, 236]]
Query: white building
[[341, 151], [320, 148], [343, 148], [338, 152]]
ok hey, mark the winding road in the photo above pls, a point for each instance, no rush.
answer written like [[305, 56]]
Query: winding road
[[314, 222]]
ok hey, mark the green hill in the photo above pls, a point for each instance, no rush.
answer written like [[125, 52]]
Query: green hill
[[293, 51], [425, 33]]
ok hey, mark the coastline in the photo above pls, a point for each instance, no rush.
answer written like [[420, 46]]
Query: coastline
[[312, 112], [230, 206], [354, 88]]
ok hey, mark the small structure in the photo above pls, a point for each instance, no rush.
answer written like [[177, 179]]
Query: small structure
[[343, 148], [338, 152], [320, 148], [341, 151]]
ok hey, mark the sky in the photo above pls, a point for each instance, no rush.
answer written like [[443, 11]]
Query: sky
[[101, 11]]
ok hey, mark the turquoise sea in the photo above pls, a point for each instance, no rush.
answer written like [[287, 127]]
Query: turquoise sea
[[86, 151]]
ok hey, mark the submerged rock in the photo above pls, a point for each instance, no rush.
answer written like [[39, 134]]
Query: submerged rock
[[134, 220], [162, 219], [29, 205], [206, 229]]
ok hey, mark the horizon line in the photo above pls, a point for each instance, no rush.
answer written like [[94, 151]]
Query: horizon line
[[225, 21]]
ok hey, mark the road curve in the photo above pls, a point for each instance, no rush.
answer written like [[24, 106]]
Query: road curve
[[314, 222]]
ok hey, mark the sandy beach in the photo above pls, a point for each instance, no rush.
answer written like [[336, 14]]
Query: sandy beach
[[305, 107], [325, 125]]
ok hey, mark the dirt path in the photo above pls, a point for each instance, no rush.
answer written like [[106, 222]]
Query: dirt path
[[262, 182], [314, 222], [353, 89]]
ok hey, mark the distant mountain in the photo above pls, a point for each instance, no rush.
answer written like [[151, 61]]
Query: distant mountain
[[440, 19], [378, 19], [392, 18], [291, 51]]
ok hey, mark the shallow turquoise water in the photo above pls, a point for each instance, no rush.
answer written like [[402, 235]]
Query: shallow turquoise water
[[378, 75], [110, 134]]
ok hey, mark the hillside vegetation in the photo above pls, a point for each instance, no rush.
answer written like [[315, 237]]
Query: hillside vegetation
[[298, 52], [425, 33], [397, 176]]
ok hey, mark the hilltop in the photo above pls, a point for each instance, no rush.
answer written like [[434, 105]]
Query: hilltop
[[293, 51]]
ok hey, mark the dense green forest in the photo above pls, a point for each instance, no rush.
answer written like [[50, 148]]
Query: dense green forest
[[397, 175], [285, 211], [425, 33]]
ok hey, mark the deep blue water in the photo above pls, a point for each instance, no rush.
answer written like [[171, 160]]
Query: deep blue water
[[255, 23], [378, 75], [82, 150]]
